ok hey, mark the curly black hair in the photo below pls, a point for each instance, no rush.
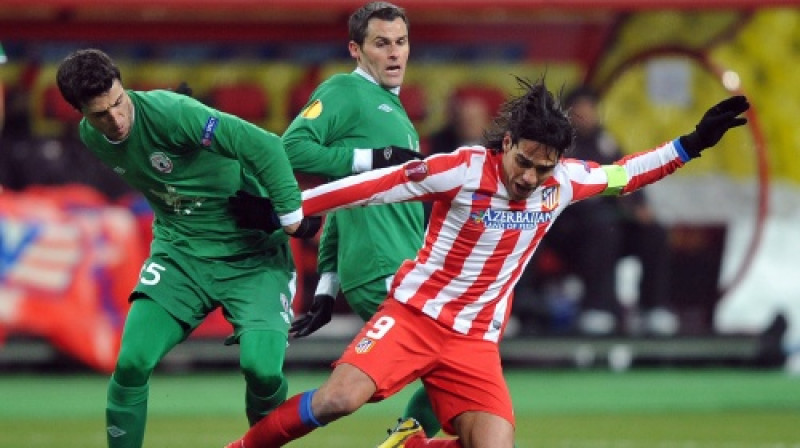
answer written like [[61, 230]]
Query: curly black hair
[[86, 74], [534, 115]]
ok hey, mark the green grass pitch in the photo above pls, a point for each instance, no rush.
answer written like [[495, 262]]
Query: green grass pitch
[[663, 408]]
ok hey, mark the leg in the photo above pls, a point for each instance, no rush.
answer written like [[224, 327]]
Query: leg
[[346, 390], [596, 249], [150, 332], [649, 241], [365, 301], [477, 429], [403, 352], [419, 407], [261, 361]]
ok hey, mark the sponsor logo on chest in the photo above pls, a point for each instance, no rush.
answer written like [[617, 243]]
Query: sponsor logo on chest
[[518, 219]]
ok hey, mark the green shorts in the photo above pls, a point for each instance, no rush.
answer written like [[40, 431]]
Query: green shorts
[[255, 293], [365, 299]]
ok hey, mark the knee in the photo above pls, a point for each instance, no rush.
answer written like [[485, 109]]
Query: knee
[[133, 370], [331, 404], [266, 375]]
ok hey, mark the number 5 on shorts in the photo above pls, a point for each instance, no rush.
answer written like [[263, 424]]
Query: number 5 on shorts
[[380, 327], [151, 274]]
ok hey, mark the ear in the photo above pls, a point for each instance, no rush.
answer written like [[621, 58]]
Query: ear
[[507, 142], [355, 50]]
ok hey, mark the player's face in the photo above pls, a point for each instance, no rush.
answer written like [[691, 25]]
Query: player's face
[[111, 112], [385, 51], [526, 165]]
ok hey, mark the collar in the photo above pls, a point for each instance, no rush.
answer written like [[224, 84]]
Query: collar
[[368, 77]]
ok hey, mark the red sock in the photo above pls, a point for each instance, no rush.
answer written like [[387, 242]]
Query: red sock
[[284, 424], [420, 441]]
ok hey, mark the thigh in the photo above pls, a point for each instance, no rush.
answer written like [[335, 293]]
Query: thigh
[[150, 332], [468, 378], [395, 347], [256, 299], [177, 282]]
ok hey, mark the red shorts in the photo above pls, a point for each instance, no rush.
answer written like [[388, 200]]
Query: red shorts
[[460, 373]]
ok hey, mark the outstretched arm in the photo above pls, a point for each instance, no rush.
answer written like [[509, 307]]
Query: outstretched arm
[[635, 171]]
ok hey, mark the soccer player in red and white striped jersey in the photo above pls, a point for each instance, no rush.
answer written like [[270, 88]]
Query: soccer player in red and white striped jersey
[[447, 309]]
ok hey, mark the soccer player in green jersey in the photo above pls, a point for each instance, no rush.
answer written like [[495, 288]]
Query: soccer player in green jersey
[[355, 122], [187, 159]]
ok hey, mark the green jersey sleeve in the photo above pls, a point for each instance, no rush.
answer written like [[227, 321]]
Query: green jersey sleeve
[[316, 140], [260, 153], [349, 111], [187, 159], [328, 246]]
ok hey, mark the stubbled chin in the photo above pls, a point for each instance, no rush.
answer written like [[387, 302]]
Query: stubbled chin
[[521, 194]]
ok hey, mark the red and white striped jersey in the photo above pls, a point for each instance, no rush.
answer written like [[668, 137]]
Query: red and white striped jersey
[[478, 241]]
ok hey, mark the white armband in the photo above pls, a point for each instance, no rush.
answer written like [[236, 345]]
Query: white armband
[[362, 160], [328, 284]]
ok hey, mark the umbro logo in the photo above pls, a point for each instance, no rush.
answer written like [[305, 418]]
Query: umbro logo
[[119, 170], [385, 107], [115, 431]]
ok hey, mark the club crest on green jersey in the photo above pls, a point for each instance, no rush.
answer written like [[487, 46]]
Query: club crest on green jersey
[[161, 162]]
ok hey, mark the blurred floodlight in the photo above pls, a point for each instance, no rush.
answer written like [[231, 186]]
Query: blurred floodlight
[[730, 80]]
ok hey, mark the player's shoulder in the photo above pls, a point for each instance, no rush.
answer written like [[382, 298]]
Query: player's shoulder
[[347, 84], [473, 152], [160, 99], [154, 101], [337, 82], [468, 155]]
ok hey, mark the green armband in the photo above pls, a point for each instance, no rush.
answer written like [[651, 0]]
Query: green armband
[[617, 179]]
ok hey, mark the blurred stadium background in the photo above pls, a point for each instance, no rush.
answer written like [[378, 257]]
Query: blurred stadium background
[[72, 238]]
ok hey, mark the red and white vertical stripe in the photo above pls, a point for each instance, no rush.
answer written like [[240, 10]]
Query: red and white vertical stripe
[[478, 241]]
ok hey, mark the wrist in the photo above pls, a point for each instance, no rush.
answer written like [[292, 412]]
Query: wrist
[[328, 284], [362, 160], [690, 145]]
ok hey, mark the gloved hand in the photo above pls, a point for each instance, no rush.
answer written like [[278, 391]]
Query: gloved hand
[[319, 315], [392, 155], [715, 122], [253, 212], [309, 227], [256, 212]]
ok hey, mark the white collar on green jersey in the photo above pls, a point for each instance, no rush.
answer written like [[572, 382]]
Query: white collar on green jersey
[[368, 77]]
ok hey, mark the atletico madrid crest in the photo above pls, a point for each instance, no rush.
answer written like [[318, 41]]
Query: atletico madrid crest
[[550, 198], [364, 346]]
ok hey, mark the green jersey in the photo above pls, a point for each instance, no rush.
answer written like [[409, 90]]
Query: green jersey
[[345, 112], [187, 159]]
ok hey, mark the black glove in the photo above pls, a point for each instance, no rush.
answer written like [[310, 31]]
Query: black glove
[[256, 212], [715, 122], [392, 155], [253, 212], [308, 227], [319, 315], [184, 89]]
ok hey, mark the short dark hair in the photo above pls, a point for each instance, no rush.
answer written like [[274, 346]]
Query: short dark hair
[[86, 74], [534, 115], [359, 20]]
